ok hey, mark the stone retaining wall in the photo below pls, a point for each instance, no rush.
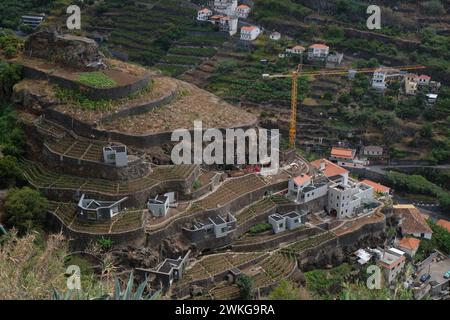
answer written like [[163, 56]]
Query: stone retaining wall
[[272, 243], [138, 141], [93, 93], [154, 237], [80, 240]]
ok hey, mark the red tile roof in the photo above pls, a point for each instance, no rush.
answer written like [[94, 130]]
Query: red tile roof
[[444, 224], [413, 220], [409, 243], [342, 153], [376, 186], [249, 28], [318, 46], [205, 10], [302, 179], [423, 76], [243, 6], [331, 169], [298, 48]]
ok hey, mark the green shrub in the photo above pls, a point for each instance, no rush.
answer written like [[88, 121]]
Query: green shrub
[[25, 209], [96, 79], [9, 171], [260, 228]]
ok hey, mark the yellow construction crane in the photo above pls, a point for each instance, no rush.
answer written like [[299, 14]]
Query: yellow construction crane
[[332, 72]]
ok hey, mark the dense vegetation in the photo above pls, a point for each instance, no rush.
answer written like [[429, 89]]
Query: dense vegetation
[[417, 184]]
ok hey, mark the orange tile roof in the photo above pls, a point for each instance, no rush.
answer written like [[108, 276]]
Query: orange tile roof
[[444, 224], [423, 76], [298, 48], [376, 186], [413, 220], [248, 28], [318, 46], [409, 243], [205, 10], [331, 169], [302, 179], [342, 153], [243, 6]]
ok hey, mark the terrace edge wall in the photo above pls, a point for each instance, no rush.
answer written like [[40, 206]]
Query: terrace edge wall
[[80, 240], [93, 93]]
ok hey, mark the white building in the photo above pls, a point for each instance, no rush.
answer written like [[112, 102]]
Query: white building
[[96, 210], [379, 80], [159, 205], [345, 201], [288, 221], [227, 7], [392, 262], [423, 80], [243, 11], [318, 51], [275, 36], [297, 50], [204, 14], [331, 170], [372, 151], [115, 155], [250, 33], [412, 221], [228, 24]]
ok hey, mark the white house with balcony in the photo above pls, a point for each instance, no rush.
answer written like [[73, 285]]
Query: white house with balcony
[[204, 14], [115, 155], [346, 200], [243, 11], [227, 7], [318, 51], [250, 33]]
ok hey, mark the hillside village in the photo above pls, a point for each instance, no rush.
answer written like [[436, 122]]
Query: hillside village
[[86, 123]]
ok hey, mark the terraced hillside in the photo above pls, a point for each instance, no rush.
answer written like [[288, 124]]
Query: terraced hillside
[[124, 222], [45, 179], [157, 33]]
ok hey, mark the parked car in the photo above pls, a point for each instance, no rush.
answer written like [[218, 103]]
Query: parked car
[[447, 274], [425, 277]]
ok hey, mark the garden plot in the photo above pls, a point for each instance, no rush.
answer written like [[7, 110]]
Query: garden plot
[[272, 269], [309, 243], [214, 264], [228, 191], [42, 178], [81, 108]]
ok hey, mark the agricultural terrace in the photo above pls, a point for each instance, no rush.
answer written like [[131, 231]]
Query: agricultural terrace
[[42, 178], [268, 237], [267, 272], [272, 269], [352, 225], [212, 265], [80, 107], [228, 191], [127, 220], [158, 33], [118, 73], [309, 243], [78, 149], [191, 104], [225, 291], [260, 207]]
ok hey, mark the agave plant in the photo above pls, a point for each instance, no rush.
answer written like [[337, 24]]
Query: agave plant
[[127, 294]]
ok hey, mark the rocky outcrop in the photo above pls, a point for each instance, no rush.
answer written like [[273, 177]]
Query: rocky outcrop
[[35, 95], [69, 50]]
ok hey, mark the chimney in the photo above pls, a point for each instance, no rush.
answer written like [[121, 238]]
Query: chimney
[[322, 165]]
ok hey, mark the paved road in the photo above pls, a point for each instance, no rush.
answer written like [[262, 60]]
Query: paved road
[[382, 169], [433, 211]]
